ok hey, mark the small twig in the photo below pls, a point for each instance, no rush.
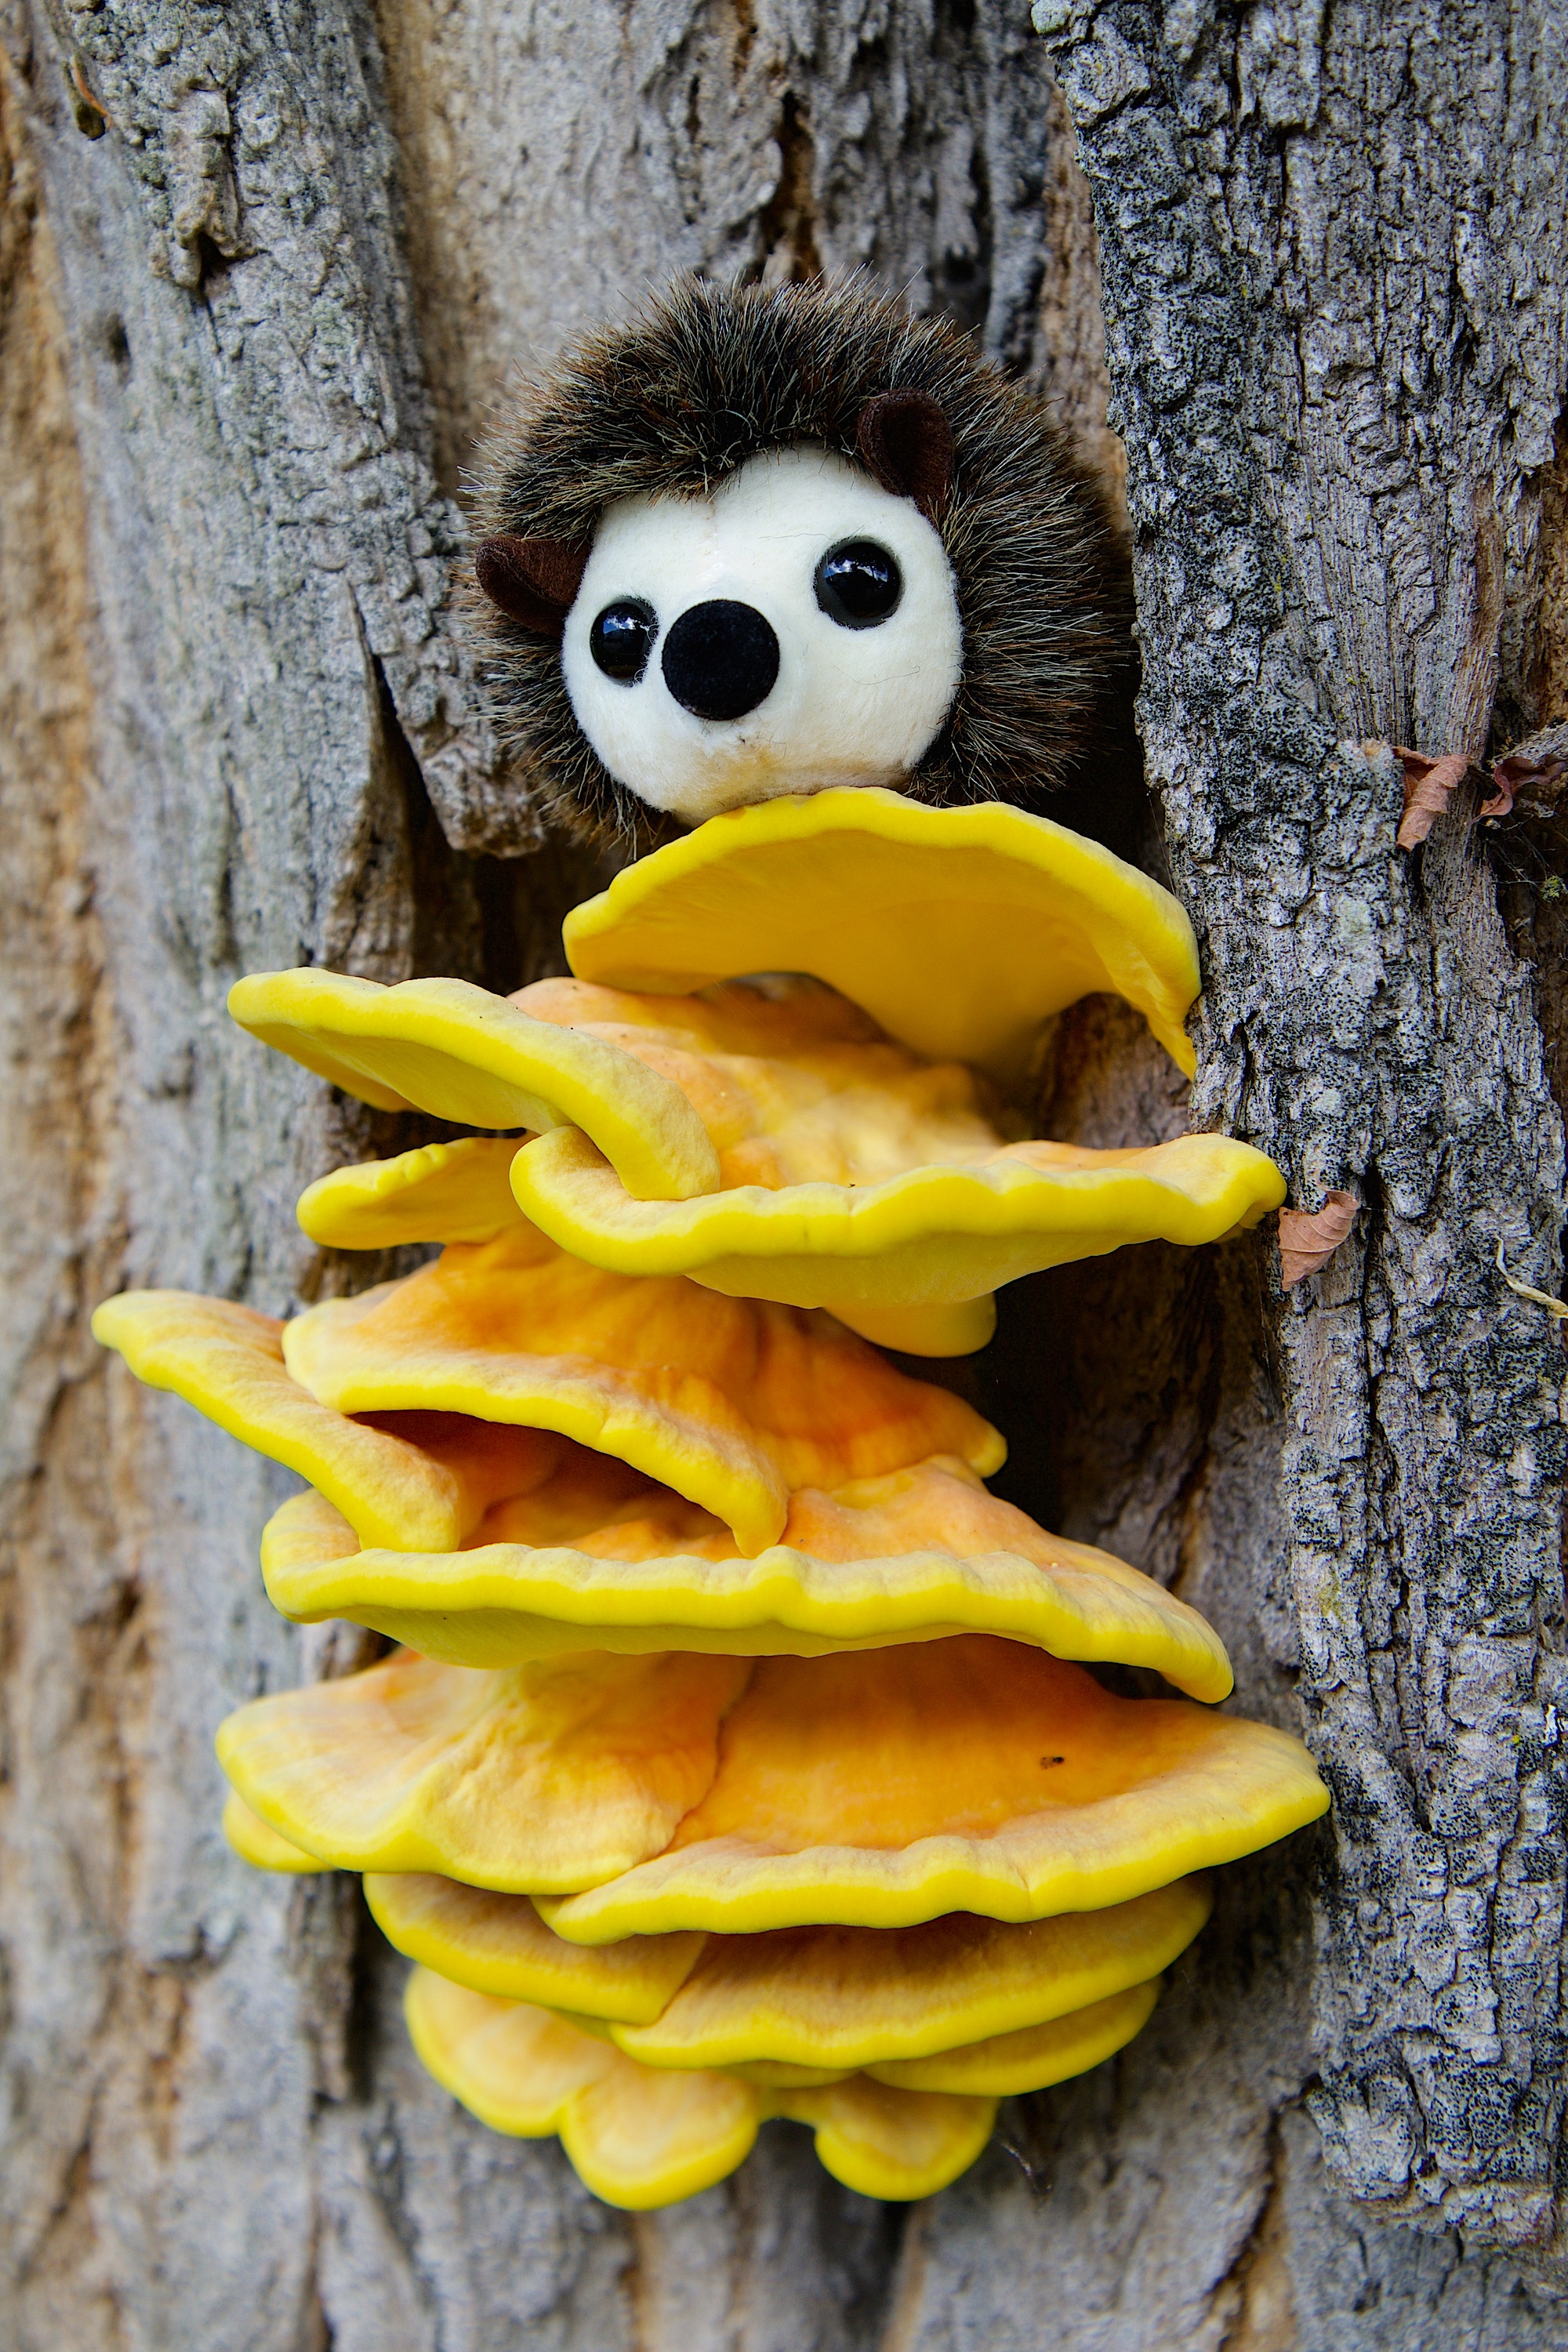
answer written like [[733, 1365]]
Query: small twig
[[1038, 2176], [1555, 1306], [88, 110]]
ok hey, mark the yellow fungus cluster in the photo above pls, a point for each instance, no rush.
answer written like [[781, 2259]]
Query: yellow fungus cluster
[[742, 1756]]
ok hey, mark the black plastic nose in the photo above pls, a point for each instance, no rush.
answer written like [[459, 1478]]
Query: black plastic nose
[[721, 659]]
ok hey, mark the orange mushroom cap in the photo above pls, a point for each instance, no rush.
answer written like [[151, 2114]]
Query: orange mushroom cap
[[851, 1174], [458, 1191], [416, 1406], [911, 1261], [636, 2138], [854, 1997], [731, 1402], [957, 930], [889, 1786], [596, 1553], [875, 1787], [549, 1776], [833, 1998], [903, 2003]]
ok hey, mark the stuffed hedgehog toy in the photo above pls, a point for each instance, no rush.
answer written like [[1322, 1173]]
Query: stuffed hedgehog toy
[[762, 542]]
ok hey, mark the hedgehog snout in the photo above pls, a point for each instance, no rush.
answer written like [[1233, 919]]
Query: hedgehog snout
[[721, 659], [796, 628]]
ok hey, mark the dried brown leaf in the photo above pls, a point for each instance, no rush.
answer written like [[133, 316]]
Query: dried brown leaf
[[1541, 761], [1309, 1237], [1428, 785]]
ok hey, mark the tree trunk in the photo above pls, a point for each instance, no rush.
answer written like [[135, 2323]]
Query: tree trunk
[[263, 271]]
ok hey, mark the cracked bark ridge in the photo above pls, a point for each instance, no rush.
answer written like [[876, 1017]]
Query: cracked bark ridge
[[1332, 245], [268, 185]]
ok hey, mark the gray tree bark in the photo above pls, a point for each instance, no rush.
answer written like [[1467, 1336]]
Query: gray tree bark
[[1333, 277], [263, 273]]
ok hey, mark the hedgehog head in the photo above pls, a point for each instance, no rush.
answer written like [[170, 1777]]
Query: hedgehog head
[[758, 542]]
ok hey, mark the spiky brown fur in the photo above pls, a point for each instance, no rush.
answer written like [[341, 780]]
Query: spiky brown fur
[[707, 376]]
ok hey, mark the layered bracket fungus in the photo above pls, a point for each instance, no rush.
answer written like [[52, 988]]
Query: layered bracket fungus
[[681, 1791], [838, 1137], [643, 2135], [743, 1755], [740, 1753]]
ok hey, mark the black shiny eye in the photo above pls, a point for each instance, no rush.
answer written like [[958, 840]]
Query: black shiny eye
[[621, 639], [859, 584]]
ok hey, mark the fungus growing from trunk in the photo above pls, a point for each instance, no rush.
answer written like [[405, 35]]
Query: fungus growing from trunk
[[767, 1137], [851, 1174], [595, 1554], [813, 1997], [734, 1402], [745, 1756], [957, 930], [873, 1788], [645, 2136], [730, 1402]]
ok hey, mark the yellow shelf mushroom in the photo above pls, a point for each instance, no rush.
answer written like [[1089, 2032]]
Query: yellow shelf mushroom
[[743, 1762], [874, 1788], [447, 1047], [499, 1944], [734, 1402], [903, 2004], [957, 930], [817, 1998], [227, 1362], [595, 1554], [257, 1842], [417, 1405], [912, 1261], [1034, 2057], [645, 2136], [458, 1192], [547, 1776], [851, 1174], [847, 1172], [639, 2137]]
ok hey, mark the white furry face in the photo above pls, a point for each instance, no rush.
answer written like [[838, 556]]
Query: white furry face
[[726, 649]]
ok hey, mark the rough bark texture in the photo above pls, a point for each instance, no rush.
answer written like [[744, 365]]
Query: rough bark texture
[[1333, 264], [262, 271], [560, 159]]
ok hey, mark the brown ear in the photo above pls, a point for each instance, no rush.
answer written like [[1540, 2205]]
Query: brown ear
[[533, 581], [907, 443]]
